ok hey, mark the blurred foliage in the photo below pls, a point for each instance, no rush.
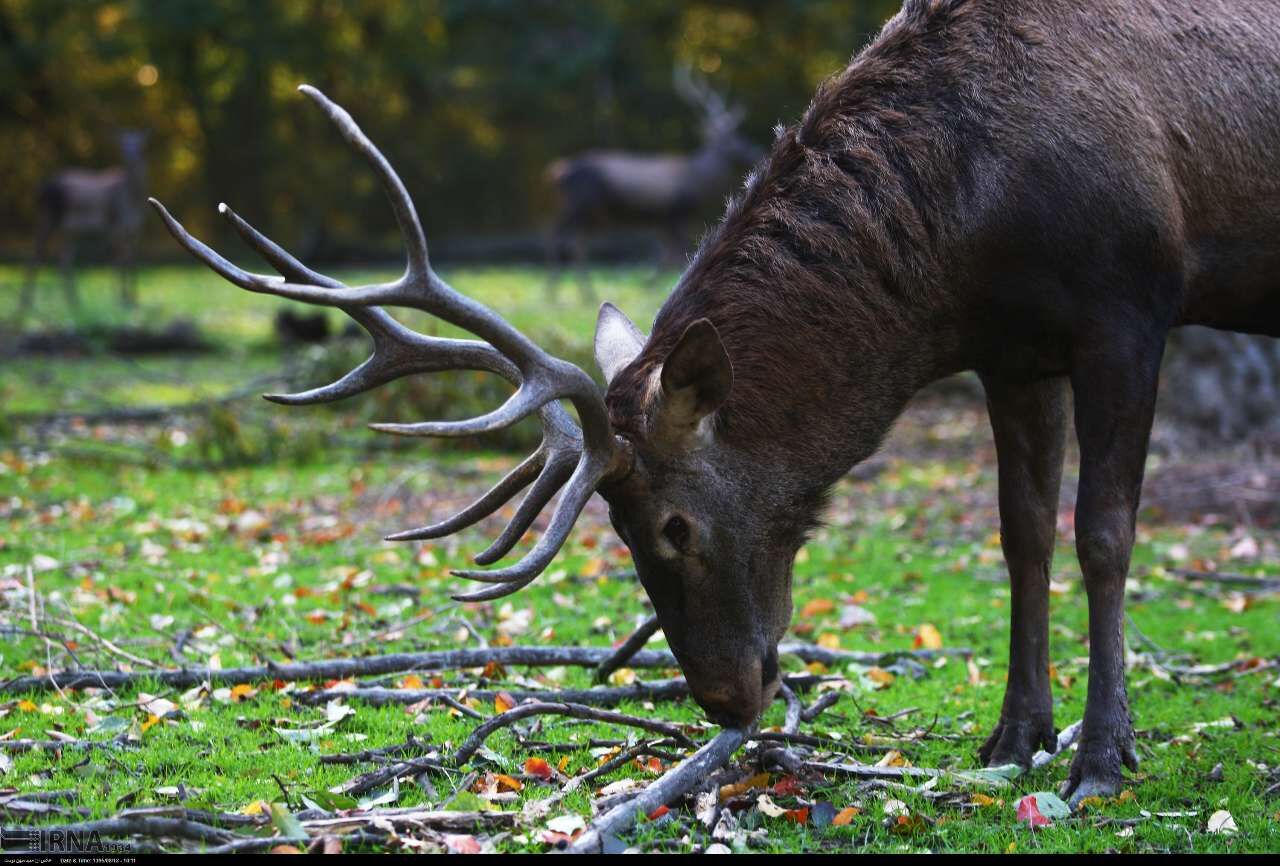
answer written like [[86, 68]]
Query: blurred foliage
[[471, 99]]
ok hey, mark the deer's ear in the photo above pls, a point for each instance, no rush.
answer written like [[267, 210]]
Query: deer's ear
[[618, 341], [696, 379]]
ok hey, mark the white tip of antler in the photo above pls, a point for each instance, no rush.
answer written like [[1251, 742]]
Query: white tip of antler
[[222, 208]]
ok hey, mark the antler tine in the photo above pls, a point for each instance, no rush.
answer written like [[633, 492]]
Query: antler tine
[[571, 460], [698, 91], [552, 479], [556, 454], [576, 492], [511, 484]]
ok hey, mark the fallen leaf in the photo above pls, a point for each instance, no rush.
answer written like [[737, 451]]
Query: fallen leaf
[[1222, 823], [845, 816], [539, 768], [462, 844], [760, 780], [928, 637], [766, 805], [817, 607], [567, 824], [1029, 813]]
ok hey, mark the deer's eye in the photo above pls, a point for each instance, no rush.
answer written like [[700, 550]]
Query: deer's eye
[[676, 531]]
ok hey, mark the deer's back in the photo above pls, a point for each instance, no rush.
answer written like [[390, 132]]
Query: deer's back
[[91, 200], [1143, 137], [642, 183]]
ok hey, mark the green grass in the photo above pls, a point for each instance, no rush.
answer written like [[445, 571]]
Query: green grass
[[141, 554]]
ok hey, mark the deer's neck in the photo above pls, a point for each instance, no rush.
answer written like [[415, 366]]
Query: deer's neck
[[135, 176]]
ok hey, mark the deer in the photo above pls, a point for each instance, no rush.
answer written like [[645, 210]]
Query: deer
[[1034, 190], [656, 188], [77, 202]]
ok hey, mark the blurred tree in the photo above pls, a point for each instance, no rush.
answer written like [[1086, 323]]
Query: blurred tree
[[470, 98]]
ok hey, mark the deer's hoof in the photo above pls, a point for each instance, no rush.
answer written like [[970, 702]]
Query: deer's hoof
[[1014, 741], [1097, 768]]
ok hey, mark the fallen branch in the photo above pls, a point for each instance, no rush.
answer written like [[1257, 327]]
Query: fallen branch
[[1041, 759], [628, 648], [1265, 584], [578, 711], [345, 668], [819, 706], [137, 825], [678, 781], [1066, 739], [601, 697]]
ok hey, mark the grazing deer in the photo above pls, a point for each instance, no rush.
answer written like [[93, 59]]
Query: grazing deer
[[78, 202], [663, 189], [1032, 189]]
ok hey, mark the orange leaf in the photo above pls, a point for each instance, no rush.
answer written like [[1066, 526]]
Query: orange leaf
[[503, 701], [798, 816], [653, 765], [816, 607], [845, 816], [928, 637], [540, 768], [285, 849], [658, 813], [412, 681], [880, 677], [788, 786], [511, 784]]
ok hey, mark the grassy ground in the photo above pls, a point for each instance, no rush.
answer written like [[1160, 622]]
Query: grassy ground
[[234, 565]]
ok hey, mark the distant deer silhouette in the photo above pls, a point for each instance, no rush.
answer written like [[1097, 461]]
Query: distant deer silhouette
[[77, 202], [655, 188]]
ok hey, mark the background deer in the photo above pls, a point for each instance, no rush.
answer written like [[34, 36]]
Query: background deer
[[657, 189], [78, 202], [995, 185]]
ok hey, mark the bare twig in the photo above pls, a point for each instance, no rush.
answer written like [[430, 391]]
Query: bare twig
[[55, 679], [677, 782], [818, 707], [794, 709], [628, 648], [1066, 739], [577, 711]]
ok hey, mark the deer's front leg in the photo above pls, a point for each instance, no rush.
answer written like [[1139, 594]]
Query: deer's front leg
[[1029, 422], [1115, 401]]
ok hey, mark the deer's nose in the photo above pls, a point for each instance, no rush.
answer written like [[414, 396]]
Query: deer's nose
[[733, 694]]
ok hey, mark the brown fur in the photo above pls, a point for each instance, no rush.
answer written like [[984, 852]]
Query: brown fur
[[1033, 189]]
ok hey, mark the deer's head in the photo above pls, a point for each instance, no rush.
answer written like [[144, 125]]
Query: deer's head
[[721, 122], [711, 536], [132, 143]]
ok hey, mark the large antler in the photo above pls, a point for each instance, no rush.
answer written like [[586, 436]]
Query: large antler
[[574, 460], [698, 92]]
